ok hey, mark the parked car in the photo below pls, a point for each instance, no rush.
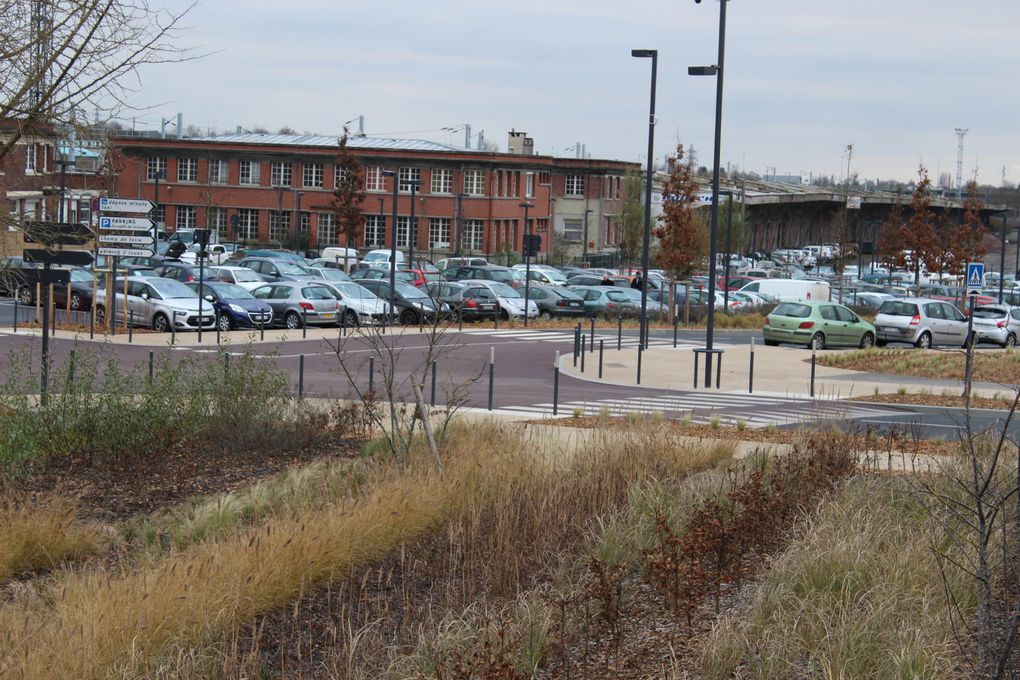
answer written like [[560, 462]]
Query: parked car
[[235, 307], [339, 257], [448, 262], [413, 305], [162, 304], [997, 324], [276, 255], [380, 258], [330, 274], [295, 303], [817, 324], [381, 274], [555, 301], [246, 278], [651, 306], [358, 304], [422, 276], [922, 322], [598, 280], [789, 290], [543, 274], [605, 302], [276, 269], [511, 300], [467, 301], [81, 285], [487, 273], [182, 271], [214, 254]]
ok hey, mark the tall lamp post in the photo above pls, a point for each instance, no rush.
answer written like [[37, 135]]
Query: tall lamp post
[[297, 220], [63, 163], [729, 248], [527, 258], [646, 236], [393, 244], [713, 237], [412, 228]]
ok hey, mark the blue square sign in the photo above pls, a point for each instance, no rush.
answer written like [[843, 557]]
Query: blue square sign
[[975, 278]]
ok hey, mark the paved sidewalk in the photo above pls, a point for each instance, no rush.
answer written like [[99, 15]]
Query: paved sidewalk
[[778, 371]]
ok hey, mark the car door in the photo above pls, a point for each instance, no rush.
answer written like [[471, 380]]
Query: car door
[[956, 324], [853, 332], [936, 318], [831, 326], [142, 302]]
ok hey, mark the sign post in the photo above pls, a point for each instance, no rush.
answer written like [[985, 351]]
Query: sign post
[[975, 282], [121, 236]]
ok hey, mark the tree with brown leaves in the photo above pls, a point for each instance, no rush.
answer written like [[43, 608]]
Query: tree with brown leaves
[[683, 238], [890, 238], [348, 195], [965, 242], [919, 231]]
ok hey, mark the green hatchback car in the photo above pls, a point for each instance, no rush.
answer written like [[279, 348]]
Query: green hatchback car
[[818, 325]]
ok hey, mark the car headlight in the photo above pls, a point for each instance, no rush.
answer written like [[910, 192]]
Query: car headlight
[[238, 308], [445, 307]]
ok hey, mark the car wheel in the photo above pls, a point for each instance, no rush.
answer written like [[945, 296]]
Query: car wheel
[[223, 321], [25, 296], [292, 320], [504, 315], [76, 302], [545, 315], [817, 342], [867, 341], [161, 323], [924, 342], [350, 318], [1010, 341], [771, 343], [408, 317]]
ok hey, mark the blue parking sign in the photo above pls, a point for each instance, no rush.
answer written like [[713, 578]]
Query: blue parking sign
[[975, 277]]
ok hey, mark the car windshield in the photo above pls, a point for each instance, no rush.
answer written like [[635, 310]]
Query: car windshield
[[169, 289], [565, 294], [331, 274], [409, 291], [503, 290], [502, 275], [79, 275], [988, 313], [245, 275], [355, 290], [291, 269], [617, 296], [432, 276], [898, 308], [376, 257], [230, 291], [792, 309], [554, 275]]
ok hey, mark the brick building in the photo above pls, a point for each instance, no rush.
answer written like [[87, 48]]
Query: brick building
[[278, 188]]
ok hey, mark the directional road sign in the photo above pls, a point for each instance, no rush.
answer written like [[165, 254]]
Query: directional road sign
[[126, 223], [128, 205], [975, 278], [132, 239], [74, 258], [126, 252], [57, 233]]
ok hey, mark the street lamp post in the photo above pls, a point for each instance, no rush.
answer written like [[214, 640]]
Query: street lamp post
[[297, 219], [382, 221], [412, 229], [729, 249], [63, 163], [584, 246], [393, 244], [646, 236], [713, 238], [527, 259]]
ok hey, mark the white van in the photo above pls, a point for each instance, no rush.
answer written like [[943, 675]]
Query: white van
[[381, 258], [337, 255], [789, 290]]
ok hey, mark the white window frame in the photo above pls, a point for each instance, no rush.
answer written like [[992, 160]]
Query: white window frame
[[31, 161], [312, 175], [441, 181], [339, 174], [374, 179], [325, 230], [216, 218], [281, 173], [220, 175], [375, 230], [254, 171], [155, 165], [187, 170], [474, 182], [406, 175], [529, 185], [403, 232], [574, 185], [247, 224], [279, 225], [439, 231], [186, 217], [473, 237]]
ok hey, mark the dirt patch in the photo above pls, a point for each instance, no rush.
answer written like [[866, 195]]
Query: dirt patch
[[994, 366], [953, 401]]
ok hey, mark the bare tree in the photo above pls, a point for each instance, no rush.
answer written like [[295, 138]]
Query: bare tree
[[60, 55]]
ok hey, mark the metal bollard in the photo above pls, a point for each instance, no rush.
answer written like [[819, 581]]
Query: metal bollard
[[301, 377], [433, 382], [15, 311], [592, 340], [676, 324], [173, 331], [217, 330], [602, 347], [813, 372], [492, 372], [556, 384], [584, 346], [750, 374], [460, 321], [262, 331], [131, 325], [577, 343], [371, 374], [619, 333], [640, 351], [152, 366], [304, 323]]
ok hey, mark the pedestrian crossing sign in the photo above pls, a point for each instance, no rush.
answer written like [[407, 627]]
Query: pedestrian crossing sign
[[975, 278]]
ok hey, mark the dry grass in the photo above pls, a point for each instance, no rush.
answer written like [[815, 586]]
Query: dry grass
[[42, 534], [502, 509], [998, 366], [857, 596]]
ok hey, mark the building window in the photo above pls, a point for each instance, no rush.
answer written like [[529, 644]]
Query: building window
[[529, 184], [575, 185], [326, 228], [216, 218], [155, 167], [442, 181], [30, 150], [279, 225], [186, 217], [474, 182], [375, 230], [217, 172], [407, 176], [161, 216], [280, 174], [374, 179], [249, 172], [311, 175], [403, 224], [247, 223], [507, 183], [306, 222], [84, 210], [572, 231], [544, 178], [439, 232], [338, 175], [187, 170], [474, 234]]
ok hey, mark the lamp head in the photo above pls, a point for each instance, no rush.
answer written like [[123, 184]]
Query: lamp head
[[702, 70], [643, 53]]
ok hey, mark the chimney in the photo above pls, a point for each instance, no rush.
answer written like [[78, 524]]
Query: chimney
[[467, 135], [520, 144]]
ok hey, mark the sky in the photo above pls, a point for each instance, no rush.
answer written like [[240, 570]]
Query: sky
[[803, 78]]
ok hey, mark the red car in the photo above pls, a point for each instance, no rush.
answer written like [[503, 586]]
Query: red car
[[422, 277]]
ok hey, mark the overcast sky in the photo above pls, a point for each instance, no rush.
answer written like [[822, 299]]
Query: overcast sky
[[804, 78]]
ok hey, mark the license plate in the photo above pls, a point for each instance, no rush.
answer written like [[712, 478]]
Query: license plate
[[326, 315]]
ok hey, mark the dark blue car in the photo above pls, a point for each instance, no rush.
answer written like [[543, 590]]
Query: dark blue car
[[235, 307]]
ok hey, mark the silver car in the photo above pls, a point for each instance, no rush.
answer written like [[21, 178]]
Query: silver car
[[511, 301], [922, 322], [358, 304], [162, 304], [295, 303], [997, 324]]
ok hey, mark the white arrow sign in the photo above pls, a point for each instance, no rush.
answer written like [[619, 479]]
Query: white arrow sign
[[128, 205], [123, 238], [126, 223], [126, 252]]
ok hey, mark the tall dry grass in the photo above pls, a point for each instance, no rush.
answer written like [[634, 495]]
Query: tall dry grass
[[858, 595], [41, 534]]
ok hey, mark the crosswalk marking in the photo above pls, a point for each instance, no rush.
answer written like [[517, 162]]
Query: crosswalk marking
[[563, 337]]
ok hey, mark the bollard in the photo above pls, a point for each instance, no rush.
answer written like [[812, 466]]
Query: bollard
[[696, 355], [371, 375], [556, 384], [131, 325], [577, 343], [173, 331], [676, 324], [812, 372], [15, 311], [619, 333], [640, 350], [492, 372], [602, 347], [152, 366], [433, 382], [592, 336], [217, 331], [718, 370], [750, 374], [301, 377], [584, 346], [262, 331], [460, 322], [92, 323], [304, 323]]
